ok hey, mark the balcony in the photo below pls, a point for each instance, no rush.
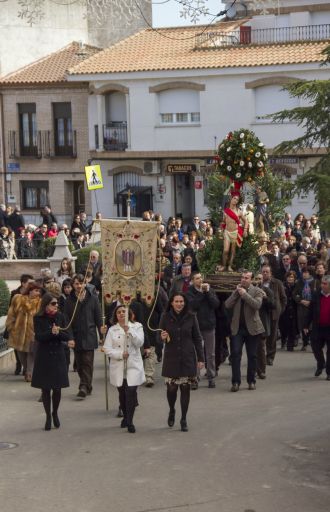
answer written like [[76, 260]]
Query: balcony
[[17, 150], [45, 145], [244, 36], [114, 136]]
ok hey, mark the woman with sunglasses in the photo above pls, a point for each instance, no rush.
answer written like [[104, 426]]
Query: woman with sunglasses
[[50, 372]]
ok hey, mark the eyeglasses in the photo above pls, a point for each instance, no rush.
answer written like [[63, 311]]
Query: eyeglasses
[[53, 303]]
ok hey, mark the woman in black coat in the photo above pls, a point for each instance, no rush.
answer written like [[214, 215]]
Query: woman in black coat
[[50, 371], [182, 355]]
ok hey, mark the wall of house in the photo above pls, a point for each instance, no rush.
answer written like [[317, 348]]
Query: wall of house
[[61, 172], [225, 104]]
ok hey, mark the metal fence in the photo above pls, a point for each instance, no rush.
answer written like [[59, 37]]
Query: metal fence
[[245, 35]]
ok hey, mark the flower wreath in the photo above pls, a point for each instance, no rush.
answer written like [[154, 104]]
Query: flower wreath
[[241, 156]]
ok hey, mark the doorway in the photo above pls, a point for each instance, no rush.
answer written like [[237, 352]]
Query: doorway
[[184, 196], [79, 204]]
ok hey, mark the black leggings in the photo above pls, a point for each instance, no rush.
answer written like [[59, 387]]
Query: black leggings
[[172, 391], [128, 401], [46, 400]]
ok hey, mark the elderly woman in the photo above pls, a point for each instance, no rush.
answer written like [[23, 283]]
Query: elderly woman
[[123, 345], [20, 327], [183, 353]]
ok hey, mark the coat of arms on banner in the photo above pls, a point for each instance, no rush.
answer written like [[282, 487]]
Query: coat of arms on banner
[[129, 250]]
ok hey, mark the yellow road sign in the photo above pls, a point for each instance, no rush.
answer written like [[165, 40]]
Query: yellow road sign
[[94, 178]]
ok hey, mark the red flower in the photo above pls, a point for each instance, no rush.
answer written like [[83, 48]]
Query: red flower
[[136, 236]]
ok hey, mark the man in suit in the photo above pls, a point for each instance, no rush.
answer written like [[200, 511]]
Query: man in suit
[[280, 298], [246, 327]]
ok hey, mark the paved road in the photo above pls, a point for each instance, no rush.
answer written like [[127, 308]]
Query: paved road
[[254, 451]]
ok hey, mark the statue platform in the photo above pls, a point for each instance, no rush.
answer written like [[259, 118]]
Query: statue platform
[[223, 282]]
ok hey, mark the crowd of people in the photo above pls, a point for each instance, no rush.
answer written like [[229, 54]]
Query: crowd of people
[[190, 326], [19, 240]]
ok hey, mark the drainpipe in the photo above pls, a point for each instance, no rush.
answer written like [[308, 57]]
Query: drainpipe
[[2, 153]]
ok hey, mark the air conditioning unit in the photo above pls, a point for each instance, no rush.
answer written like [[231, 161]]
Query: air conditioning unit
[[151, 167]]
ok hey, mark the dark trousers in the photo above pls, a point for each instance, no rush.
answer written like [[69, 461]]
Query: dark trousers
[[261, 355], [128, 401], [271, 340], [85, 365], [318, 343], [236, 347]]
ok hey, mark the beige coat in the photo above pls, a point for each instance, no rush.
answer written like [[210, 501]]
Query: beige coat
[[252, 303], [20, 322]]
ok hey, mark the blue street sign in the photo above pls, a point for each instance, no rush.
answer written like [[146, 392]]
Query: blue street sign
[[13, 167]]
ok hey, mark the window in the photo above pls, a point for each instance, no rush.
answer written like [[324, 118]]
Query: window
[[122, 180], [179, 106], [27, 129], [34, 194], [271, 99], [63, 129]]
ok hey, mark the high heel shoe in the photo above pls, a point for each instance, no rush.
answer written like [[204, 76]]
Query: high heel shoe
[[184, 426], [171, 418], [48, 424], [56, 420]]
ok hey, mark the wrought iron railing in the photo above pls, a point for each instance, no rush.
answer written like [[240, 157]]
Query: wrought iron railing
[[16, 148], [244, 35], [115, 136]]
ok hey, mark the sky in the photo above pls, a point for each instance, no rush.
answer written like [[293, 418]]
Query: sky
[[168, 14]]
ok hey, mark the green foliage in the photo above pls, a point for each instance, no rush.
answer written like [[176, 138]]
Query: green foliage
[[4, 297], [47, 247], [246, 257], [216, 196], [279, 191], [83, 256], [314, 119], [241, 156]]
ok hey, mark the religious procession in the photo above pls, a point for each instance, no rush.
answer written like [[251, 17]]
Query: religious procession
[[186, 295]]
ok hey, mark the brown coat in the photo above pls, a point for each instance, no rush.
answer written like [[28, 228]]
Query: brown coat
[[20, 322], [252, 302]]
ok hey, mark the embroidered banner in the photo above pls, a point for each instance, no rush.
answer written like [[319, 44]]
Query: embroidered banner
[[129, 250]]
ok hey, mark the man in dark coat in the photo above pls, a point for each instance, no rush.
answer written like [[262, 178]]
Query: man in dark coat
[[277, 288], [86, 320], [16, 221], [268, 304], [48, 217], [181, 283], [320, 319], [204, 302]]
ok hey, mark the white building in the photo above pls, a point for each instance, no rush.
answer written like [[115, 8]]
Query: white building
[[161, 100]]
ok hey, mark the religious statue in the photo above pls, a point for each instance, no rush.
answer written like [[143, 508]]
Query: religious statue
[[234, 227], [262, 200]]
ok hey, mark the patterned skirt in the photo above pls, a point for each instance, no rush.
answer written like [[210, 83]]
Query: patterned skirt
[[180, 380]]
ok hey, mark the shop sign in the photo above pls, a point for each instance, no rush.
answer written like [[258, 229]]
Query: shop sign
[[181, 168], [283, 161]]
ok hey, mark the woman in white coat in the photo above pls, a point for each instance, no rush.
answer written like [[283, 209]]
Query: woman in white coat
[[122, 345]]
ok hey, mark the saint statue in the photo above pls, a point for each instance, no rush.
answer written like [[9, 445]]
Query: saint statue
[[235, 227]]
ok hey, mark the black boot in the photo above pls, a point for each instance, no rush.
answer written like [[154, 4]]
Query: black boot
[[184, 426], [48, 424]]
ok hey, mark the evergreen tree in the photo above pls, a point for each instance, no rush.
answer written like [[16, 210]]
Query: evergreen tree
[[314, 118]]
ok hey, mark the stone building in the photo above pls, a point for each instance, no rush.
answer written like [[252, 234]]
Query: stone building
[[45, 136]]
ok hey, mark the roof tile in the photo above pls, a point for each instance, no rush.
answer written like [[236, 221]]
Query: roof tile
[[52, 68], [174, 48]]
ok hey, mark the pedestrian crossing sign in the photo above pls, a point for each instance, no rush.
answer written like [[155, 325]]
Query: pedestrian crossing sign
[[93, 177]]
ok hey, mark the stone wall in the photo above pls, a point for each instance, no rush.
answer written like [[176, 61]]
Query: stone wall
[[12, 270]]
